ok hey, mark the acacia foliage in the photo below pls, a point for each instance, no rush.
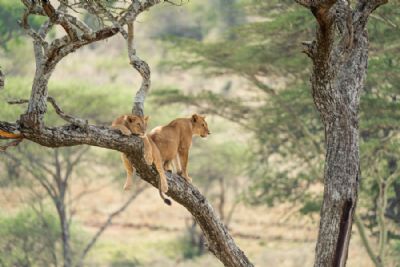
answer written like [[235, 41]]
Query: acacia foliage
[[10, 14]]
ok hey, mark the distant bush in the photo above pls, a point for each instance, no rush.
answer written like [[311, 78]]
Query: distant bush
[[29, 239], [10, 13]]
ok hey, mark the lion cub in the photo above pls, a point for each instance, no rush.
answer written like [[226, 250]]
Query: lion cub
[[137, 125], [175, 139]]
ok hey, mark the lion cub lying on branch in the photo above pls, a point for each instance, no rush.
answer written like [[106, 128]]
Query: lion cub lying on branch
[[132, 124], [164, 145]]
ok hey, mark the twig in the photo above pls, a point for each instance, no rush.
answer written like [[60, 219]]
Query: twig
[[18, 101], [57, 18], [1, 80], [387, 21], [107, 223], [74, 121], [12, 143], [175, 4]]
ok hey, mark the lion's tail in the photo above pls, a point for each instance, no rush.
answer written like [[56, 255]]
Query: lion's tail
[[166, 200]]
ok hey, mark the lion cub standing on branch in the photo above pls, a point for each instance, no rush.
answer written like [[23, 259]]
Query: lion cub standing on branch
[[137, 125], [175, 139]]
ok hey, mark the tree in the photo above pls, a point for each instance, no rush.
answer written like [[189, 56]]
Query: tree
[[284, 123], [31, 125], [340, 57]]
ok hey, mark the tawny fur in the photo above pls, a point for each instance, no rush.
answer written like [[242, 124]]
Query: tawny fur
[[132, 124], [175, 139]]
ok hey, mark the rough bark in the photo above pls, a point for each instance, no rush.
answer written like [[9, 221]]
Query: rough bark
[[340, 56], [78, 132]]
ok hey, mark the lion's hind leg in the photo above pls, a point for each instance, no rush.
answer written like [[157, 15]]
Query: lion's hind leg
[[148, 151], [129, 172]]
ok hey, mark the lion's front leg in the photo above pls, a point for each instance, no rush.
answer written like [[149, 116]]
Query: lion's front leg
[[184, 159]]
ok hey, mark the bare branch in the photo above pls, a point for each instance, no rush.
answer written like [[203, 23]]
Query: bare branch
[[176, 4], [130, 37], [76, 161], [18, 101], [140, 65], [38, 42], [143, 68], [320, 9], [364, 8], [136, 8], [305, 3], [57, 18], [45, 28], [371, 5], [107, 223], [37, 10], [113, 20], [79, 24], [12, 143], [74, 121], [1, 80], [309, 48], [385, 20]]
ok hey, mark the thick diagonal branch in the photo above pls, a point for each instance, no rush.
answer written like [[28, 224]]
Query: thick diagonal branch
[[219, 240]]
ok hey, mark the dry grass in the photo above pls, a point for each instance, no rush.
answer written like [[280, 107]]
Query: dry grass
[[148, 231]]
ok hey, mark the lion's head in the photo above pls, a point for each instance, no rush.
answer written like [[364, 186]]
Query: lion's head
[[200, 126], [136, 124]]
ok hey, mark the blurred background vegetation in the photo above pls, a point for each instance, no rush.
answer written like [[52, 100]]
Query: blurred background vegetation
[[240, 63]]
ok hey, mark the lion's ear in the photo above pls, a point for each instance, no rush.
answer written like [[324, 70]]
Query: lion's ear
[[195, 117], [146, 118], [127, 118]]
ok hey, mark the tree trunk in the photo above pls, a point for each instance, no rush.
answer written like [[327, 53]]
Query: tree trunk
[[336, 91], [33, 118], [64, 234], [340, 57], [340, 194]]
